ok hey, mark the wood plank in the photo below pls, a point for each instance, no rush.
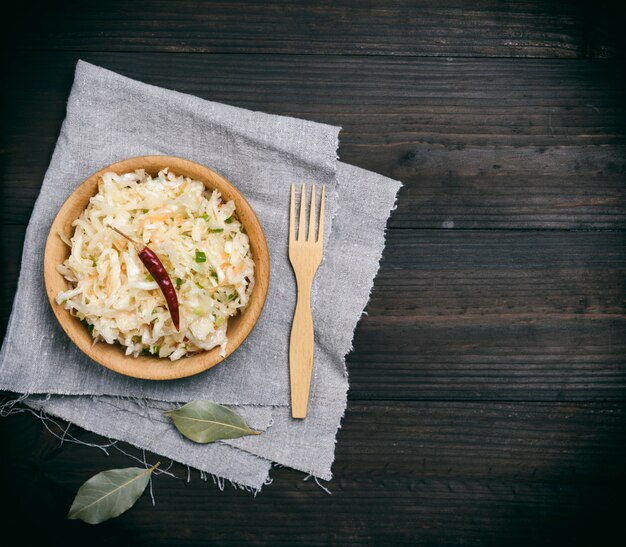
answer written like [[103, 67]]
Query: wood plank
[[502, 186], [405, 473], [495, 357], [387, 27], [475, 274], [520, 144], [494, 315], [480, 315]]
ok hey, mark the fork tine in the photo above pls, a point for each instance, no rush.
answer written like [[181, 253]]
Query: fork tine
[[292, 214], [320, 232], [301, 234], [312, 211]]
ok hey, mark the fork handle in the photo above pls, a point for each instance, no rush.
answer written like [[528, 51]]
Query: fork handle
[[301, 350]]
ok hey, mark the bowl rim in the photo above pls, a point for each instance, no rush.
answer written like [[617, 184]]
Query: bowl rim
[[112, 356]]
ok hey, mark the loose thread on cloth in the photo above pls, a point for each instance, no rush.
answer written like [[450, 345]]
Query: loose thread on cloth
[[316, 480], [7, 405], [157, 471], [10, 408], [146, 466]]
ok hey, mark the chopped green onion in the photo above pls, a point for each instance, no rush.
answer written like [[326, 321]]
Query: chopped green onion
[[232, 296], [215, 230], [200, 256], [179, 282], [149, 277], [205, 216], [199, 286], [145, 352], [93, 262], [229, 220], [214, 275], [219, 321], [155, 350], [145, 211]]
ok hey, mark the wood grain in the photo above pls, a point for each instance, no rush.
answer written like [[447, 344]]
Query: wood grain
[[495, 315], [489, 358], [387, 27], [306, 247], [488, 378], [519, 144], [468, 274], [406, 473]]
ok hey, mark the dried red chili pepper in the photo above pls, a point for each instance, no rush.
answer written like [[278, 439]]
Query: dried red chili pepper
[[157, 271]]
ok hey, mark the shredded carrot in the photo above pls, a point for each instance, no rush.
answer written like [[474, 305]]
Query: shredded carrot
[[151, 219], [221, 284]]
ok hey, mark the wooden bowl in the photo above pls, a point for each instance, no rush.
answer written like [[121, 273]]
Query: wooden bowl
[[112, 355]]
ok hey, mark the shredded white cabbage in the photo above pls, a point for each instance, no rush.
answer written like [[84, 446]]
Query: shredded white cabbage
[[200, 242]]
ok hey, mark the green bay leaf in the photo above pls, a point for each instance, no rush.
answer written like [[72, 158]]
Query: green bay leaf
[[206, 422], [109, 494]]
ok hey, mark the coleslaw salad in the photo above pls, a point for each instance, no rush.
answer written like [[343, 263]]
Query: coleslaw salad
[[200, 242]]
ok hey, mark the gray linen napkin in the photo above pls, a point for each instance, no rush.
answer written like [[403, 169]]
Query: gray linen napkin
[[111, 117]]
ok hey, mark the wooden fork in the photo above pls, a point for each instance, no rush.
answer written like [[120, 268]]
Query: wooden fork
[[305, 255]]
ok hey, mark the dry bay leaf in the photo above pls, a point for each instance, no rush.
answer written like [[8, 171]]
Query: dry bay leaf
[[109, 494], [206, 421]]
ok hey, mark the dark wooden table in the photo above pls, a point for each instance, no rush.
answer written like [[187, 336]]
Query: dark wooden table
[[488, 380]]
